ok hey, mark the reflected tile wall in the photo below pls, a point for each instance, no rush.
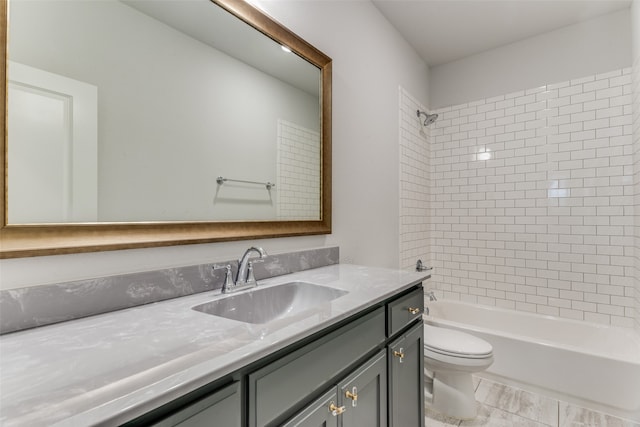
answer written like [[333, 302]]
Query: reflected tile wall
[[42, 305], [532, 200], [298, 172]]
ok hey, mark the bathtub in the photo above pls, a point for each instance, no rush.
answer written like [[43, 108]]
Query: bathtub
[[583, 361]]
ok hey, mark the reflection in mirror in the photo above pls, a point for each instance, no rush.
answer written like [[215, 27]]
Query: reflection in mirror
[[129, 111], [128, 124]]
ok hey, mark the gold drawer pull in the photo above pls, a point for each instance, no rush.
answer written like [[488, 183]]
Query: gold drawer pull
[[353, 395], [413, 310], [399, 354], [336, 410]]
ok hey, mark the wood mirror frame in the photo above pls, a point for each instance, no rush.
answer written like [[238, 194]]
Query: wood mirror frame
[[51, 239]]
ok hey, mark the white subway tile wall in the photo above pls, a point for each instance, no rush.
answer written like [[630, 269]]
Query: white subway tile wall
[[414, 184], [532, 197], [298, 172], [636, 181]]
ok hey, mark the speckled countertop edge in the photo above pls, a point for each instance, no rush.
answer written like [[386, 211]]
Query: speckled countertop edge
[[110, 368]]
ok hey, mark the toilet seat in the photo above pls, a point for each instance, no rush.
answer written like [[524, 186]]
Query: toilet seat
[[449, 342]]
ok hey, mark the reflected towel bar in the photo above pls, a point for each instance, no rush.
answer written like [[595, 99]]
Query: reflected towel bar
[[269, 185]]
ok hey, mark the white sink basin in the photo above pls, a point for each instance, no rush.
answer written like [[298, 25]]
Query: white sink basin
[[262, 305]]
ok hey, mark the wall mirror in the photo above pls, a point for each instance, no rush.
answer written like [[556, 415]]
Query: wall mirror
[[138, 123]]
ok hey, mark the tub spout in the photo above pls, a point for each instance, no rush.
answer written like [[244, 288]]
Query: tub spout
[[421, 267]]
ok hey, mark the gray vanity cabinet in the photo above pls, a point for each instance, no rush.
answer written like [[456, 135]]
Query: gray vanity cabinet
[[317, 414], [285, 384], [357, 401], [222, 408], [375, 355], [406, 366], [364, 394]]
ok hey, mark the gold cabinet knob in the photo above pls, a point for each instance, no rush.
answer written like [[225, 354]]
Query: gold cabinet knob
[[399, 354], [413, 310], [353, 395], [336, 410]]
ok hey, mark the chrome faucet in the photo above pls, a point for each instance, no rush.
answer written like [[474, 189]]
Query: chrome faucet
[[245, 276], [432, 297]]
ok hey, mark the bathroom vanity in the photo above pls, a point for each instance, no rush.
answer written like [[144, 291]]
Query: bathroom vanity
[[349, 361], [353, 360]]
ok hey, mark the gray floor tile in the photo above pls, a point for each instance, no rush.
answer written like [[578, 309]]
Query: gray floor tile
[[575, 416], [434, 419], [500, 405], [489, 416], [534, 407], [476, 382]]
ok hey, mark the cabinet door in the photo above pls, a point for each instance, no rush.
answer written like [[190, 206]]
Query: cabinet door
[[364, 394], [317, 414], [287, 382], [406, 392], [221, 408]]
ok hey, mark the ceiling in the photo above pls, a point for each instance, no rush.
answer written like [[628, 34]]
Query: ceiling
[[442, 31]]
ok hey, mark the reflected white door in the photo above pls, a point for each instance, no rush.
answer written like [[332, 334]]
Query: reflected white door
[[52, 147]]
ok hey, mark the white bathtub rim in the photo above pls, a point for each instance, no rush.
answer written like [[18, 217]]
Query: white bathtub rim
[[538, 341], [629, 333]]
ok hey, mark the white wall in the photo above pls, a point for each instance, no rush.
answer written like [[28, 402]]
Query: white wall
[[587, 48], [370, 61]]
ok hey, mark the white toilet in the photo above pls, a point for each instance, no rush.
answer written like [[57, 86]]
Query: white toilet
[[450, 357]]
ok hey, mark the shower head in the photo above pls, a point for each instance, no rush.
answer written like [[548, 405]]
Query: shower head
[[428, 118]]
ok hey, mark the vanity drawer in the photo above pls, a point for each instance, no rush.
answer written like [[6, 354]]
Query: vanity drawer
[[405, 310], [285, 383]]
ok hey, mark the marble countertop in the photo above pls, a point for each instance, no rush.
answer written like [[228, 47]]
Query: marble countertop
[[110, 368]]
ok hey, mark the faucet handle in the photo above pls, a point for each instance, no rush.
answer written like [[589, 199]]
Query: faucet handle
[[251, 278], [228, 277]]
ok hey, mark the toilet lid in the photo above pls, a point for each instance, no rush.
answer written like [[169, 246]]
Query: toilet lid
[[455, 343]]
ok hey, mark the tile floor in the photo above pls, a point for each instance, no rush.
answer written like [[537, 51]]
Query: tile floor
[[500, 405]]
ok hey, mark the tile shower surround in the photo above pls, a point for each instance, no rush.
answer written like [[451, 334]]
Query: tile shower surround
[[532, 200], [414, 183], [636, 180], [42, 305]]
